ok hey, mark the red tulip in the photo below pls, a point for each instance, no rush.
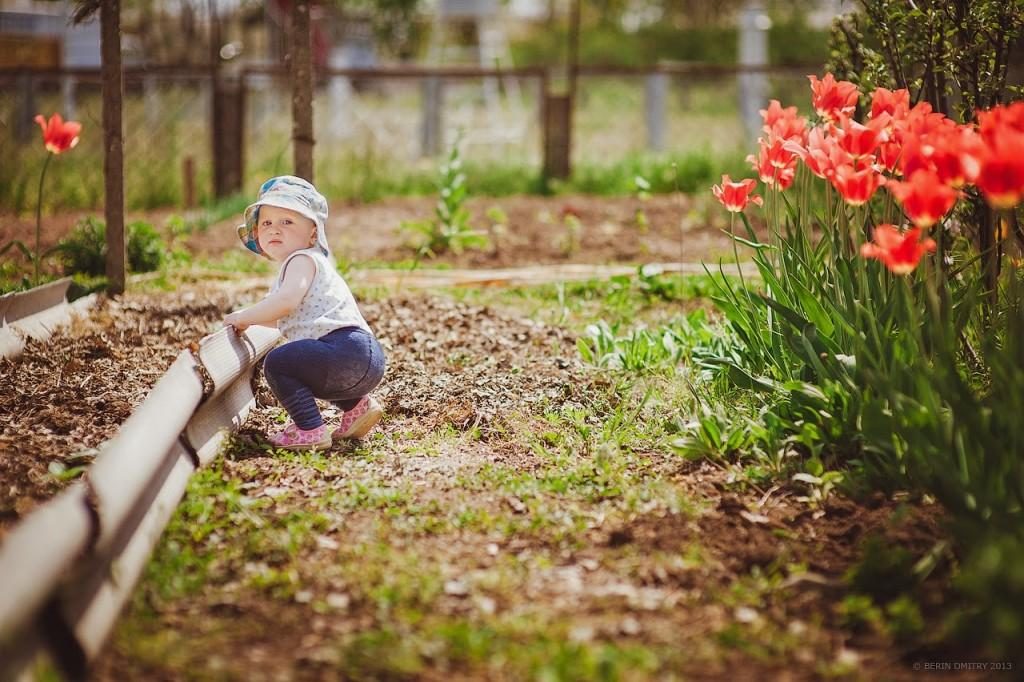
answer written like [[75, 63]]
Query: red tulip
[[949, 150], [736, 195], [833, 99], [896, 103], [900, 252], [924, 197], [889, 154], [821, 155], [1001, 175], [861, 140], [856, 186], [997, 119], [783, 123], [58, 135], [769, 170]]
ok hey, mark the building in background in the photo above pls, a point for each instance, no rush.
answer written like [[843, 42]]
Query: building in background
[[39, 35]]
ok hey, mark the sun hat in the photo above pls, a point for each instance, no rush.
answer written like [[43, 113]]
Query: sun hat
[[293, 193]]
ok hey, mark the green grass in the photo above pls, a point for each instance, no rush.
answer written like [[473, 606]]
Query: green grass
[[646, 298]]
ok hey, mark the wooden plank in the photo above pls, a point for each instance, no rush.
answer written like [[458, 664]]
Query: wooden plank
[[216, 418], [5, 303], [125, 468], [526, 276], [26, 51], [40, 326], [12, 344], [25, 303], [92, 604], [226, 354], [135, 484], [31, 568]]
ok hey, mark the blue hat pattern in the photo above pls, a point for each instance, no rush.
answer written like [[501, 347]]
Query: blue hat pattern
[[291, 192]]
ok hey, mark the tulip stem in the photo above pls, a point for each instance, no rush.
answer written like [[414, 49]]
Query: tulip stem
[[36, 256]]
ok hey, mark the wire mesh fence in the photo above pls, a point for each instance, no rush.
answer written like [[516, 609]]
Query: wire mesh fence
[[368, 126]]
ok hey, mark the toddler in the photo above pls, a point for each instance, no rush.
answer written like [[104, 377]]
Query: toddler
[[330, 351]]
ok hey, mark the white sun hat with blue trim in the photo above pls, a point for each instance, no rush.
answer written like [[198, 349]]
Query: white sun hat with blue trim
[[292, 193]]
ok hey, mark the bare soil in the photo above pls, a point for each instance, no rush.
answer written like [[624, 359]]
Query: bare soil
[[536, 231]]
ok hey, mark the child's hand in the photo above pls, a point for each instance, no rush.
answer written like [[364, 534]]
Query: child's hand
[[235, 320]]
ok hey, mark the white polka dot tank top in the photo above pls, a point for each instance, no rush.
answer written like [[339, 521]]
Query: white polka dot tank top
[[328, 304]]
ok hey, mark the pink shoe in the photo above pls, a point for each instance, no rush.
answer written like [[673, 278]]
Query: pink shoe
[[358, 421], [292, 437]]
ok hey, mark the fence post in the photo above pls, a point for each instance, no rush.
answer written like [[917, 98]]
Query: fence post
[[23, 121], [753, 51], [655, 88], [188, 182], [68, 88], [228, 135], [557, 115], [432, 130]]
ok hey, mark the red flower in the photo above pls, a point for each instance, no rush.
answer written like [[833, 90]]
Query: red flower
[[769, 170], [889, 154], [856, 186], [1001, 176], [58, 135], [833, 99], [900, 252], [948, 149], [736, 195], [861, 140], [783, 123], [924, 197], [821, 155], [896, 103], [997, 119]]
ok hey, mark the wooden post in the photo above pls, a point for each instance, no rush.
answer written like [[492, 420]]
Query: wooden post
[[301, 70], [557, 116], [228, 135], [558, 109], [188, 181], [24, 122], [113, 157]]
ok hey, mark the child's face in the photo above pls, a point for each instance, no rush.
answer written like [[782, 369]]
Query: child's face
[[281, 232]]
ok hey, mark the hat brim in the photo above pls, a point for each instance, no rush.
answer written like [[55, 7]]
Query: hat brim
[[247, 232]]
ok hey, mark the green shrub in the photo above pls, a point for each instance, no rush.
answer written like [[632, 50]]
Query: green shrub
[[84, 251], [146, 248]]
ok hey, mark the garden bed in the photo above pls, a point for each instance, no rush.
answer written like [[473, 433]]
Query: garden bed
[[518, 513]]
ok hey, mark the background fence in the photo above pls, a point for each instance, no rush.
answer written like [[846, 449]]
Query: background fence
[[369, 124]]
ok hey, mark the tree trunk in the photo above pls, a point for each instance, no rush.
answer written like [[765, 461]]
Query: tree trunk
[[113, 156], [301, 71]]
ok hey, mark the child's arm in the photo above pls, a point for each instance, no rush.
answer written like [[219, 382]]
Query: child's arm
[[298, 276]]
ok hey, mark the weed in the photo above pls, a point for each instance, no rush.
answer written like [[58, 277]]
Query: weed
[[449, 230]]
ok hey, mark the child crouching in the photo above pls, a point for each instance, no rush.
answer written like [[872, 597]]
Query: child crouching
[[331, 352]]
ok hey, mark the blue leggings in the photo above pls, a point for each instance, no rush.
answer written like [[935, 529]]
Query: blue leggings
[[341, 367]]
